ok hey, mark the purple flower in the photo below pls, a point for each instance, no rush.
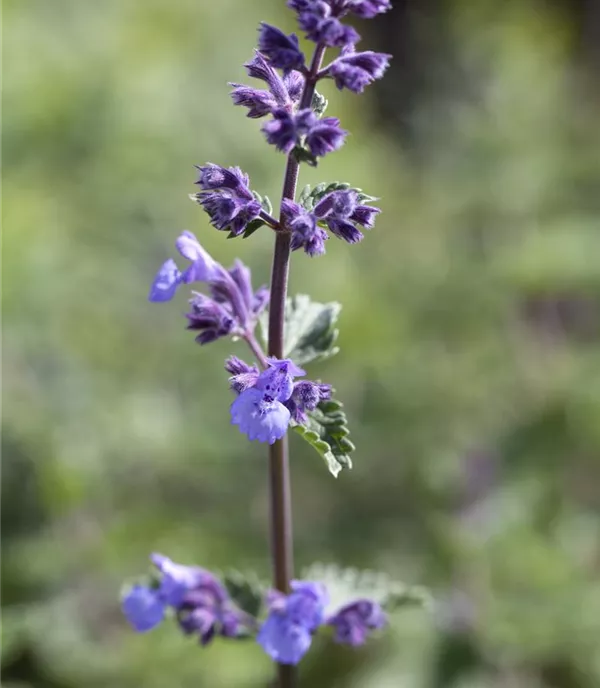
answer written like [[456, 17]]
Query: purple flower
[[258, 101], [341, 212], [282, 131], [259, 411], [320, 22], [327, 30], [338, 8], [234, 306], [207, 611], [286, 130], [306, 395], [353, 622], [281, 50], [367, 9], [177, 579], [143, 608], [260, 417], [214, 177], [305, 232], [287, 632], [165, 284], [202, 269], [325, 136], [239, 283], [354, 71], [283, 92], [227, 198], [214, 320], [294, 83], [243, 375]]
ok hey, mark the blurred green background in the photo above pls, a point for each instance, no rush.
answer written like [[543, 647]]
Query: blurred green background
[[470, 366]]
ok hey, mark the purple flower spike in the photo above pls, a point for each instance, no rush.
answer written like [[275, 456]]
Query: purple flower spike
[[354, 71], [259, 411], [286, 635], [282, 51], [143, 608], [353, 622]]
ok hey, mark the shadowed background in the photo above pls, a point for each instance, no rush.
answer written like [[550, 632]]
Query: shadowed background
[[469, 360]]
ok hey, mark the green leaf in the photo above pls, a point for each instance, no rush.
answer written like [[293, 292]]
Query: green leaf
[[319, 103], [310, 332], [251, 227], [267, 206], [304, 196], [304, 155], [326, 431], [246, 590], [347, 584]]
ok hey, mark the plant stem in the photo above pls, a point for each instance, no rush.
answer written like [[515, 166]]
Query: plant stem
[[279, 470], [256, 348]]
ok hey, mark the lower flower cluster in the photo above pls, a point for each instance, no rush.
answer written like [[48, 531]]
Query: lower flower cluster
[[268, 401], [203, 607]]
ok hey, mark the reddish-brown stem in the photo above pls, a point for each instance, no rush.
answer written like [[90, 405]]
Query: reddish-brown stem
[[279, 470]]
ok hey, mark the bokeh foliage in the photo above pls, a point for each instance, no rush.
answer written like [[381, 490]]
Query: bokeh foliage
[[468, 367]]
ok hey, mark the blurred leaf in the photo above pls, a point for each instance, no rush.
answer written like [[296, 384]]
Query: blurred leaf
[[347, 584], [246, 590]]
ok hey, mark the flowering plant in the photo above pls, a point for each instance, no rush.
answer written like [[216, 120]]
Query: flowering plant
[[269, 398]]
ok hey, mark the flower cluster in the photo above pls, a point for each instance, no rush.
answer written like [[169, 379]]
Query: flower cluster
[[203, 607], [232, 307], [199, 600], [268, 401], [294, 124], [340, 211], [227, 198]]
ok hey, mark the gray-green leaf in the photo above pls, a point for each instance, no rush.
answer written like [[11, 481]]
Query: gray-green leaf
[[347, 584], [310, 332], [319, 103], [327, 432]]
